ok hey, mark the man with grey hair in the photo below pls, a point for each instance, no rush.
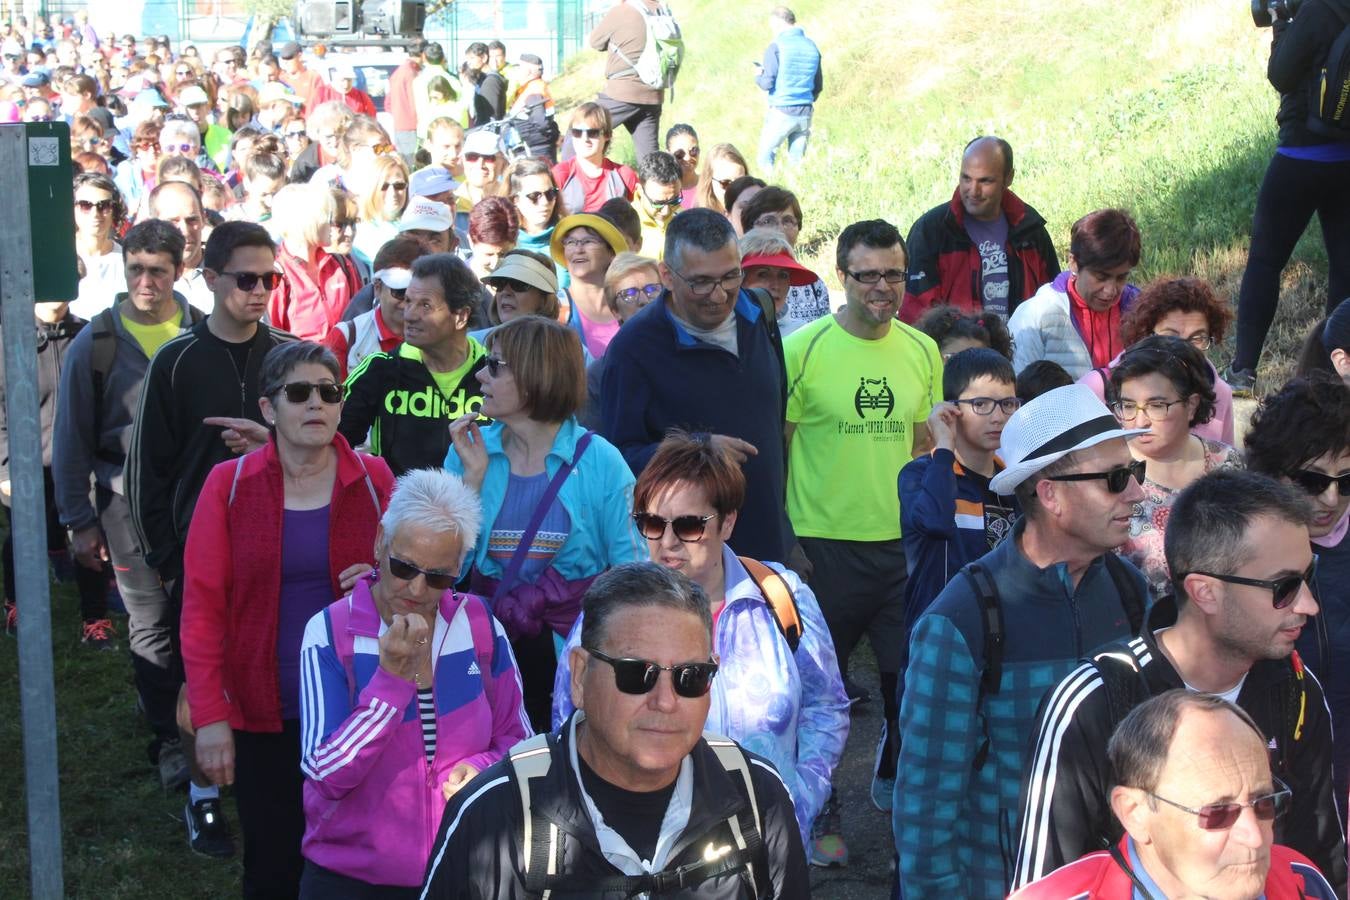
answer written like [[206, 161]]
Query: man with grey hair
[[1004, 630], [629, 797], [705, 357], [1199, 807], [1238, 552], [792, 77]]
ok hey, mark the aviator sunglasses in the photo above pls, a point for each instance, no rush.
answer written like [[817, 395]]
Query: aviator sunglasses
[[639, 676], [1221, 816]]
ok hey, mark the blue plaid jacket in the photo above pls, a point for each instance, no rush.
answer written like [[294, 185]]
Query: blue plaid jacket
[[953, 823]]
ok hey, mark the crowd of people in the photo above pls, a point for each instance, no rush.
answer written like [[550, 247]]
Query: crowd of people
[[417, 447]]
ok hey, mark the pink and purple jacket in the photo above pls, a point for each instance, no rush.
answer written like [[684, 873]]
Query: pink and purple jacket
[[372, 801]]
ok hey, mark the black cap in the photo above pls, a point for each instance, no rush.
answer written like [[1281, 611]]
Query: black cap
[[434, 52], [1336, 334], [289, 50], [531, 60]]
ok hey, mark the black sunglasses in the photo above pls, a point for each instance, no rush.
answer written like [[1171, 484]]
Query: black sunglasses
[[1316, 483], [300, 391], [669, 201], [515, 286], [1284, 590], [536, 196], [639, 676], [495, 364], [680, 154], [1221, 816], [1116, 479], [107, 206], [406, 571], [592, 133], [247, 281], [686, 528]]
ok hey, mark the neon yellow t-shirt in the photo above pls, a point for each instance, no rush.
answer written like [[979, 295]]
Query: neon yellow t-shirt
[[854, 403], [448, 382], [152, 337]]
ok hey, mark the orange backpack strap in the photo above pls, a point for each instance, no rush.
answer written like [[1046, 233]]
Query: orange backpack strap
[[781, 602]]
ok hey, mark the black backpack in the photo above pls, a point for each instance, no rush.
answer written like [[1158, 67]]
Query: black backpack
[[1329, 104]]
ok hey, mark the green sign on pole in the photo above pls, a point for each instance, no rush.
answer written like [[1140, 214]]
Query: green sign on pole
[[51, 205]]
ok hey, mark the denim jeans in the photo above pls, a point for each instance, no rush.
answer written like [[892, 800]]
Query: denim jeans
[[780, 126]]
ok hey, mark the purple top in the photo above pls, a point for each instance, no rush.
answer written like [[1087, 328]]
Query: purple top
[[306, 589], [991, 239]]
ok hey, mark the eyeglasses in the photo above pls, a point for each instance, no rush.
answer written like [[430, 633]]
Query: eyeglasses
[[1200, 341], [147, 145], [295, 135], [406, 571], [247, 281], [680, 154], [593, 134], [538, 196], [181, 148], [984, 406], [478, 157], [770, 220], [1128, 410], [1221, 816], [1116, 479], [1316, 483], [703, 287], [107, 206], [301, 391], [1283, 590], [630, 295], [494, 365], [184, 73], [394, 185], [580, 243], [688, 529], [872, 276], [639, 676]]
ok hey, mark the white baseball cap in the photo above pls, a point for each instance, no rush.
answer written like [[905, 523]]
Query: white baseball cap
[[426, 215]]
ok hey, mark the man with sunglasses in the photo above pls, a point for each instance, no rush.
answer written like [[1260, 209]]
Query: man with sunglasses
[[1237, 548], [629, 796], [1200, 812], [1004, 630], [1301, 435], [657, 199]]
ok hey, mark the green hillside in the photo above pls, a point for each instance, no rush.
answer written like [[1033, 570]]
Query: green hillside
[[1158, 107]]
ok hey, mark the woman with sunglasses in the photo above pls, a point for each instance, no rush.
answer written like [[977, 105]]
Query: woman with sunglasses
[[1301, 435], [409, 692], [277, 535], [723, 165], [99, 216], [555, 496], [590, 177], [316, 286], [1189, 309], [783, 702], [530, 185], [631, 282], [586, 244], [682, 143], [1163, 383], [523, 284], [342, 237], [385, 199]]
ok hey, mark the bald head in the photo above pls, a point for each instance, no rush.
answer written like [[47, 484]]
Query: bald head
[[986, 172], [991, 149]]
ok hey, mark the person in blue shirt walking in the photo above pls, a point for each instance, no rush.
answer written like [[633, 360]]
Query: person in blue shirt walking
[[791, 74]]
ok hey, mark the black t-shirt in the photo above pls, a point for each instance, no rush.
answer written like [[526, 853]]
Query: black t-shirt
[[998, 511], [240, 353], [636, 816]]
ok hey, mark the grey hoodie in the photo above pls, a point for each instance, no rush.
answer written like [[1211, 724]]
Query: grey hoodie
[[76, 450]]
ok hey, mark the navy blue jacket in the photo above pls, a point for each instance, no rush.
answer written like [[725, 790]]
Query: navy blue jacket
[[658, 376], [1330, 629]]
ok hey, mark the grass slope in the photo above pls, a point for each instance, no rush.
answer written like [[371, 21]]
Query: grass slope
[[1158, 107]]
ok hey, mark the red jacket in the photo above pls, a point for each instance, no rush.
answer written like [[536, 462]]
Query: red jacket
[[398, 96], [358, 101], [944, 263], [1098, 877], [308, 308], [232, 595]]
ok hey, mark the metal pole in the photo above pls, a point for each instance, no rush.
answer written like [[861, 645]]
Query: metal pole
[[28, 524]]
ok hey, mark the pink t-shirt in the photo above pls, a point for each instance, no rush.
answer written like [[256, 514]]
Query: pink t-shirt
[[598, 334]]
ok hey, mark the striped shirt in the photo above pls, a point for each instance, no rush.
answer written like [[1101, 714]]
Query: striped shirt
[[426, 710]]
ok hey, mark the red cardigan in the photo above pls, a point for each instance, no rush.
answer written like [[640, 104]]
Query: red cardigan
[[232, 595]]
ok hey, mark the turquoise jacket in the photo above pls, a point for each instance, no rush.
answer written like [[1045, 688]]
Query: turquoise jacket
[[598, 498]]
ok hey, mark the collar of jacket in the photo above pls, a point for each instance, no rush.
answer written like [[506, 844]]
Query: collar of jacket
[[745, 310], [1163, 675], [716, 797], [1015, 572], [350, 469], [1013, 208], [564, 443]]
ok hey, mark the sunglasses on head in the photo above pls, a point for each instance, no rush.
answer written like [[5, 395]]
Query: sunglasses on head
[[102, 206], [301, 391], [1116, 479], [1283, 590], [1221, 816], [247, 281], [1316, 483], [536, 196], [639, 676], [687, 528], [593, 134], [406, 571]]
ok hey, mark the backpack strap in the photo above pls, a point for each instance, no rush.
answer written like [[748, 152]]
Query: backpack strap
[[781, 602], [991, 623], [531, 759], [1127, 587]]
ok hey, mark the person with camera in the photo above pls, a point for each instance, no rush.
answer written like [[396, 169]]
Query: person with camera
[[1309, 173]]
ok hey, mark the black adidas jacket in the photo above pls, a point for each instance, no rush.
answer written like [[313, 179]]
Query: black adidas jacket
[[393, 401], [478, 852], [190, 378], [1065, 808]]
